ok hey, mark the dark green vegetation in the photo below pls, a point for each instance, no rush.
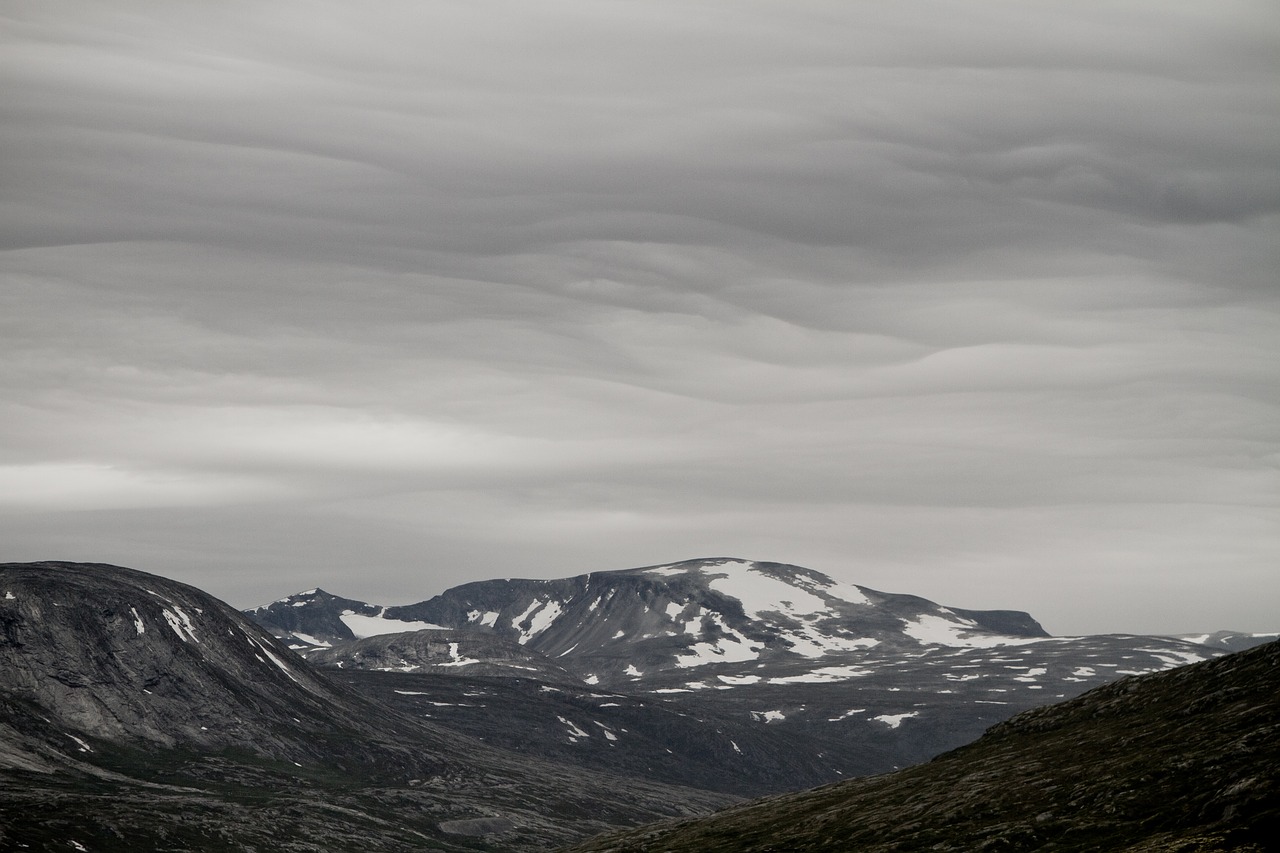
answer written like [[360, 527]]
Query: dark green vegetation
[[1185, 761]]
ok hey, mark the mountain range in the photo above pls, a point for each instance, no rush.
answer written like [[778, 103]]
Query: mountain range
[[138, 713], [780, 677]]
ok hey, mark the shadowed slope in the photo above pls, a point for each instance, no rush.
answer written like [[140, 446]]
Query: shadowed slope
[[1184, 760]]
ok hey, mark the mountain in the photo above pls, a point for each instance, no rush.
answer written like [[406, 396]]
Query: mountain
[[1179, 761], [779, 676], [141, 713], [1233, 641], [677, 616]]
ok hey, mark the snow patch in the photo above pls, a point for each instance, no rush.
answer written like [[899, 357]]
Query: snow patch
[[693, 627], [847, 714], [847, 592], [809, 643], [137, 621], [895, 720], [374, 626], [1176, 657], [9, 596], [592, 679], [180, 622], [533, 605], [823, 675], [84, 747], [487, 618], [761, 593], [540, 616], [952, 630], [729, 647], [768, 716], [307, 638], [736, 680], [279, 663], [632, 671], [575, 733], [458, 659]]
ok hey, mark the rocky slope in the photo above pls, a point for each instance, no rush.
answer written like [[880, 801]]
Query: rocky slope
[[140, 713], [1179, 761]]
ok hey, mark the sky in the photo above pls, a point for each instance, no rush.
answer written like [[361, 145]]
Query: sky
[[972, 300]]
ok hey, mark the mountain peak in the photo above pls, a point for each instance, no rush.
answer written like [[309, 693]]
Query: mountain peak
[[719, 614]]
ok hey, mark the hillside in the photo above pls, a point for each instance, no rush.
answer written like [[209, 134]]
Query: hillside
[[137, 713], [1179, 761]]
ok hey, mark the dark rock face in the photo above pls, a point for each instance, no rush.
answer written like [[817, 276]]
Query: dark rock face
[[443, 652], [139, 713], [1179, 761], [125, 656]]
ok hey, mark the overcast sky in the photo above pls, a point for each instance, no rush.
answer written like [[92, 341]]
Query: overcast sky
[[978, 301]]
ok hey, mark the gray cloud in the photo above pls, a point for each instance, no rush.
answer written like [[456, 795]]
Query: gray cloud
[[975, 302]]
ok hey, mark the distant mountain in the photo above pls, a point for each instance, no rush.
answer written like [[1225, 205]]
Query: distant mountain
[[1232, 641], [139, 713], [783, 677], [1179, 761]]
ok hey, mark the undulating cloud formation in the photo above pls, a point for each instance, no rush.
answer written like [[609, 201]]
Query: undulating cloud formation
[[979, 301]]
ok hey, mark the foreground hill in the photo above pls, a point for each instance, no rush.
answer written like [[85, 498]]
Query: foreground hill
[[1180, 761], [137, 713], [742, 677]]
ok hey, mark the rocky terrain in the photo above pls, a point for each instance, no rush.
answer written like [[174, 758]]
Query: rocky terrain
[[744, 677], [137, 713], [1179, 761]]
